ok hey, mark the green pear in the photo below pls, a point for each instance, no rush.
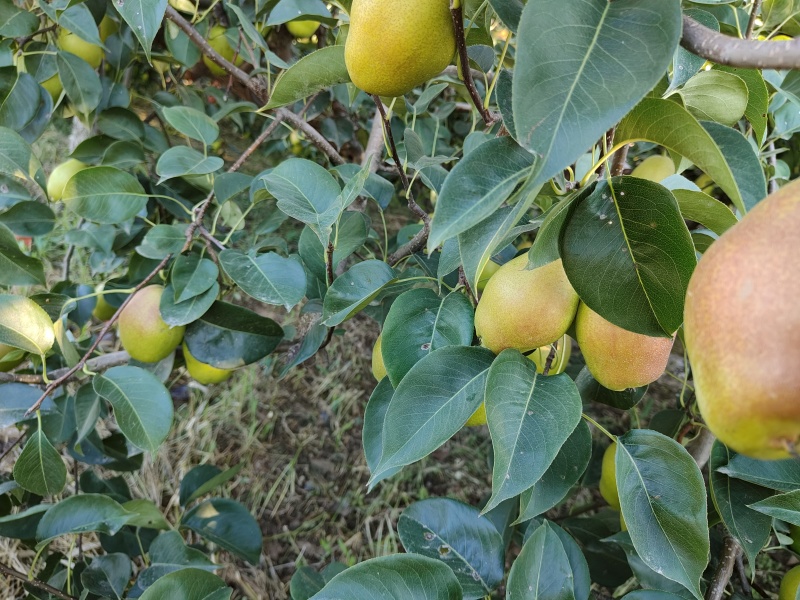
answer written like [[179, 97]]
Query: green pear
[[302, 29], [608, 477], [58, 179], [378, 366], [103, 311], [617, 358], [142, 331], [655, 168], [91, 53], [202, 372], [743, 296], [525, 309], [219, 42], [392, 47], [561, 360], [790, 585]]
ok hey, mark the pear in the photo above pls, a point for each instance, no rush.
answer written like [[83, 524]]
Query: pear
[[58, 179], [608, 477], [91, 53], [617, 358], [525, 309], [6, 364], [103, 311], [219, 42], [142, 331], [378, 366], [302, 29], [790, 585], [392, 47], [53, 86], [655, 168], [202, 372], [486, 274], [561, 360], [744, 295]]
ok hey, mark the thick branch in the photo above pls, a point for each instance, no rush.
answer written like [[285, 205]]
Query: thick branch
[[40, 585], [749, 54], [700, 447], [95, 365], [722, 576]]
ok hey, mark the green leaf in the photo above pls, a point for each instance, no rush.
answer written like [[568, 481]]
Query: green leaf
[[456, 534], [685, 64], [715, 96], [646, 576], [398, 577], [147, 514], [176, 314], [15, 22], [82, 513], [591, 391], [39, 468], [229, 336], [25, 325], [163, 240], [565, 471], [305, 583], [663, 500], [785, 507], [432, 403], [169, 553], [311, 74], [80, 81], [268, 277], [228, 524], [545, 246], [142, 405], [307, 192], [17, 159], [19, 99], [618, 52], [121, 124], [758, 98], [191, 276], [627, 239], [509, 11], [108, 575], [543, 570], [17, 399], [17, 268], [105, 195], [22, 525], [180, 161], [373, 429], [204, 478], [731, 498], [419, 322], [30, 219], [703, 209], [188, 584], [670, 125], [192, 123], [743, 161], [530, 416], [781, 475], [79, 20], [351, 233], [477, 186], [650, 595], [355, 289], [144, 17]]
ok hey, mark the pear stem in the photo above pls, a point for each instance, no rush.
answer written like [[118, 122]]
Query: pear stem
[[465, 73]]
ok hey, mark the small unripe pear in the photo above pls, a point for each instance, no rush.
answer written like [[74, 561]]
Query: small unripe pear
[[103, 311], [561, 360], [142, 331], [742, 327], [202, 372], [107, 27], [617, 358], [655, 168], [790, 585], [392, 47], [219, 42], [478, 418], [524, 309], [378, 366], [60, 176], [486, 274], [608, 477], [302, 29], [53, 86], [91, 53]]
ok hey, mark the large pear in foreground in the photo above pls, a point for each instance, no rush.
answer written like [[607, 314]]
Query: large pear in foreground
[[617, 358], [392, 47], [742, 322], [524, 309], [142, 331]]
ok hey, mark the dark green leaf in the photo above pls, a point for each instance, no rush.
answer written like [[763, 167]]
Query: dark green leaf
[[591, 391], [121, 124], [107, 575], [29, 219], [785, 507], [204, 478], [17, 268], [180, 161], [104, 195], [142, 405], [781, 475], [144, 17], [355, 289], [191, 276], [81, 514], [188, 584], [419, 322], [163, 240], [373, 429], [39, 468], [268, 277], [15, 22], [192, 123], [627, 239], [703, 209], [228, 524], [305, 583], [22, 525], [456, 534], [80, 81], [188, 311], [530, 416], [311, 74], [743, 161], [169, 553], [17, 158]]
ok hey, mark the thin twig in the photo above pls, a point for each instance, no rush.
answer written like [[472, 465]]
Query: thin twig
[[95, 365], [40, 585], [751, 24], [734, 52], [748, 591], [13, 445], [465, 73], [722, 575], [24, 40]]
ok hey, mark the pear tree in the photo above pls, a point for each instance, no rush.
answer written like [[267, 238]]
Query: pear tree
[[543, 206]]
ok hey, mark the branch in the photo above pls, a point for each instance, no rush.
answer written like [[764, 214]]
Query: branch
[[730, 550], [465, 73], [734, 52], [96, 365], [374, 150], [700, 447], [39, 585], [751, 24]]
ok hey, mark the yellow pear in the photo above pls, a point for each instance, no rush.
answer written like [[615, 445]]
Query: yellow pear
[[478, 418], [655, 168], [202, 372], [790, 584], [561, 360], [91, 53], [525, 309], [617, 358], [60, 176], [743, 296], [187, 6], [608, 477], [302, 29], [142, 331], [392, 47], [219, 42], [378, 367]]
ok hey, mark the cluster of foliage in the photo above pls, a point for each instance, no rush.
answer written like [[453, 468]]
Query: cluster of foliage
[[528, 144]]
